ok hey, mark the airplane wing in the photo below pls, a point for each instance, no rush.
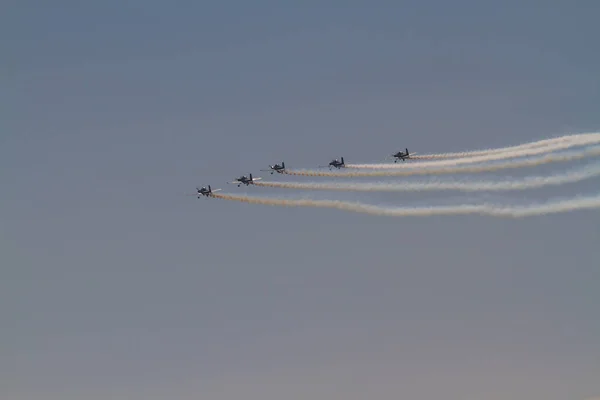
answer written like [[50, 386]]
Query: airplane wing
[[256, 179], [216, 190]]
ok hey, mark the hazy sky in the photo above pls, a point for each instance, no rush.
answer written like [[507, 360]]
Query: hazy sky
[[115, 285]]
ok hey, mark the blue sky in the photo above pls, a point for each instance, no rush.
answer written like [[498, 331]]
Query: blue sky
[[116, 285]]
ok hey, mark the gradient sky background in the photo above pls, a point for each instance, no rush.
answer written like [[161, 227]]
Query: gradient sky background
[[116, 285]]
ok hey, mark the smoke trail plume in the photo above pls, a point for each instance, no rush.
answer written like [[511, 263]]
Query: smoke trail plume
[[561, 206], [582, 141], [472, 186], [530, 162], [539, 143]]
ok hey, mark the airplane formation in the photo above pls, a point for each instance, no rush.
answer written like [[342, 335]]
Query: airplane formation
[[281, 169], [473, 161]]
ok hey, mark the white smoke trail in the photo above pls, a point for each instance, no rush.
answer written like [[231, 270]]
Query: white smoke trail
[[529, 162], [582, 141], [539, 143], [560, 206], [535, 182]]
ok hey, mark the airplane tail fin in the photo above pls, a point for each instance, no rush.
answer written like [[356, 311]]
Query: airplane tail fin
[[283, 165], [250, 177], [406, 151], [343, 161], [209, 189]]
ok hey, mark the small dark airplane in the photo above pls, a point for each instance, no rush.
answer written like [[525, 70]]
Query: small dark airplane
[[203, 191], [280, 169], [246, 180], [401, 156], [336, 163]]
